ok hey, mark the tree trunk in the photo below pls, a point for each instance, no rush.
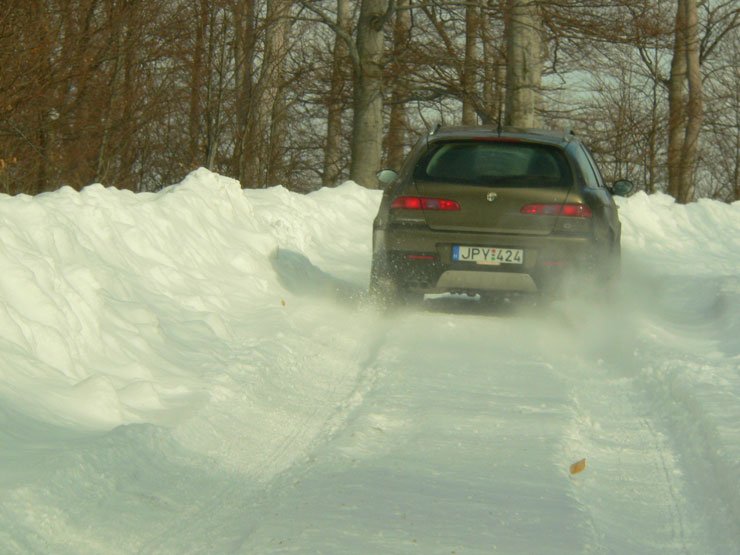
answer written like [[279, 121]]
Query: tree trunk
[[335, 100], [524, 63], [196, 84], [694, 107], [736, 167], [472, 21], [272, 90], [677, 102], [397, 124], [215, 86], [685, 104], [652, 146], [367, 120], [243, 163], [494, 75]]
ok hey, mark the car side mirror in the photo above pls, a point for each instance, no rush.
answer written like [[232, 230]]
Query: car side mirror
[[386, 177], [622, 187]]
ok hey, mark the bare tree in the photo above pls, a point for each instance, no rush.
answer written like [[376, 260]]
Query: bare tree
[[720, 54], [367, 120], [136, 93], [494, 64], [395, 140], [261, 105], [469, 74], [685, 103], [197, 73], [245, 52], [271, 85], [524, 63], [335, 98]]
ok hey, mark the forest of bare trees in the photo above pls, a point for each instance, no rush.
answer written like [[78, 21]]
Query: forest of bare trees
[[137, 93]]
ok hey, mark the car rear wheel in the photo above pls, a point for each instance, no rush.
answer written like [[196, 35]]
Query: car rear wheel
[[384, 289]]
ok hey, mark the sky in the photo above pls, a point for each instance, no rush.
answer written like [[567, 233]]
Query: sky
[[199, 370]]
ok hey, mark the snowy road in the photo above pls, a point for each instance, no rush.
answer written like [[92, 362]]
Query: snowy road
[[196, 372], [464, 443]]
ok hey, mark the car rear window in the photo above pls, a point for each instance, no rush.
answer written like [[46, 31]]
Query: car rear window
[[495, 163]]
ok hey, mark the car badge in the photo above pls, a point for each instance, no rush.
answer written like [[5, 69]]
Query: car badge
[[490, 197]]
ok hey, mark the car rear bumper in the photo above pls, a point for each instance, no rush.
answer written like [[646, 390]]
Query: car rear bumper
[[422, 261], [468, 280]]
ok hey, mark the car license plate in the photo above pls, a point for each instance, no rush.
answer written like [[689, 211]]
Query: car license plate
[[493, 256]]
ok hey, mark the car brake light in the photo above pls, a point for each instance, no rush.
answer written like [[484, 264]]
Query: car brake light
[[567, 210], [424, 203]]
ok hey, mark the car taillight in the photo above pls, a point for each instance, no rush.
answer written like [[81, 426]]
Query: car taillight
[[567, 210], [424, 203]]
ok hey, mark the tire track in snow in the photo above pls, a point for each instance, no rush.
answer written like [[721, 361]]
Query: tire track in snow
[[633, 497], [458, 452], [688, 370], [670, 472], [633, 488], [645, 423], [226, 519], [685, 409]]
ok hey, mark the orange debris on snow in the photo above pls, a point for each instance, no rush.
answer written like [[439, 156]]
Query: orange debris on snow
[[577, 467]]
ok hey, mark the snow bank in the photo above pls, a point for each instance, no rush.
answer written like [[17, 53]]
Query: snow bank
[[703, 237], [191, 371], [104, 293], [107, 297]]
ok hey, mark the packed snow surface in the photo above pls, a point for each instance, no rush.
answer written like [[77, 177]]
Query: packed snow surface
[[198, 371]]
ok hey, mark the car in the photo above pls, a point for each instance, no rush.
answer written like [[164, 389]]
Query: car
[[483, 210]]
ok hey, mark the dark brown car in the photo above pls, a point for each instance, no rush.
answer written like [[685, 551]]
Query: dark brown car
[[480, 210]]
